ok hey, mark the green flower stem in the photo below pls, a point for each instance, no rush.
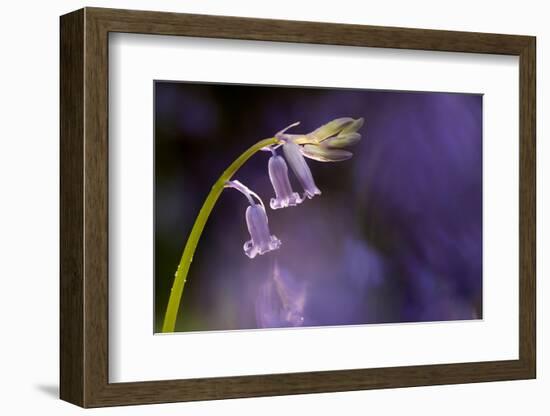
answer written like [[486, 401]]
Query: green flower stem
[[180, 277]]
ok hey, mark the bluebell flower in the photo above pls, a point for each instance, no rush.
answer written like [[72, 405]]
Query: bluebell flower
[[261, 241], [300, 168], [278, 174]]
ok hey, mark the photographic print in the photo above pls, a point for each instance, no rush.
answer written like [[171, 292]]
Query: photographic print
[[282, 206]]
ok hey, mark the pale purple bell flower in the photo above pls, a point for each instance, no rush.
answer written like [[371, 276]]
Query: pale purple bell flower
[[278, 174], [300, 168], [261, 241]]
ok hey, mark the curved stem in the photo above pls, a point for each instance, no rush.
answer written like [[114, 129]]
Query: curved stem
[[235, 184], [180, 277], [249, 193]]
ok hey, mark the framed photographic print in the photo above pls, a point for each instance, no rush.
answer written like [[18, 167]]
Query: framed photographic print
[[257, 207]]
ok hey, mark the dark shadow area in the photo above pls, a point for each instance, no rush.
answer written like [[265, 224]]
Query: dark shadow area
[[51, 390]]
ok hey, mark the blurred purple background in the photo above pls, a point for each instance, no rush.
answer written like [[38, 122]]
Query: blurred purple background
[[396, 235]]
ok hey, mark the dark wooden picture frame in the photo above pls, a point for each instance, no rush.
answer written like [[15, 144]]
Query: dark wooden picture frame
[[84, 207]]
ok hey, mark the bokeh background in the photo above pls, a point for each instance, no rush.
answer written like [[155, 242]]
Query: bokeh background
[[396, 235]]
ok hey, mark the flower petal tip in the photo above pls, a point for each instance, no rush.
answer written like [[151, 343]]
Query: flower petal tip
[[252, 250], [310, 193], [292, 201]]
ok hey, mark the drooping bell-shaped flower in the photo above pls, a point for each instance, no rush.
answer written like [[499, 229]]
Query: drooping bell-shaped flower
[[300, 168], [261, 241], [278, 174]]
